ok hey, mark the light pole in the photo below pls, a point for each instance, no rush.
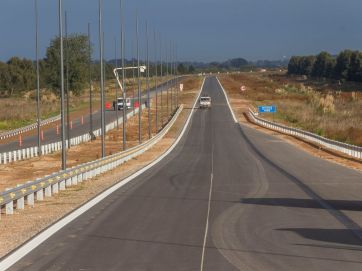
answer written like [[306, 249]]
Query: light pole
[[60, 12], [37, 75], [139, 85], [67, 76], [90, 85], [123, 79], [156, 74], [148, 84], [171, 77], [102, 79], [161, 81], [167, 85], [116, 87]]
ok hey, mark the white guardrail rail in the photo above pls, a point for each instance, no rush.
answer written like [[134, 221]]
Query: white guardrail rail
[[28, 128], [44, 187], [31, 152], [350, 150]]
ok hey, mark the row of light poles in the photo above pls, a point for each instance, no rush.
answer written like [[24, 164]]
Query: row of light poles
[[170, 63]]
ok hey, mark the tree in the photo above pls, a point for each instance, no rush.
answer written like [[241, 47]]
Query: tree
[[294, 65], [77, 60], [181, 68], [306, 65], [324, 65], [343, 65], [355, 68], [191, 69]]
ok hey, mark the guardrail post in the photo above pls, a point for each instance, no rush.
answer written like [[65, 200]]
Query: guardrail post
[[14, 156], [48, 191], [62, 185], [20, 202], [55, 188], [30, 199], [74, 180], [5, 158], [40, 195], [9, 207], [80, 178], [68, 182]]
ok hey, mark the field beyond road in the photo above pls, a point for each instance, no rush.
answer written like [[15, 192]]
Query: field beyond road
[[330, 109]]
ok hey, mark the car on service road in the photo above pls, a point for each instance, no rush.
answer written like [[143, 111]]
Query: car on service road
[[205, 102]]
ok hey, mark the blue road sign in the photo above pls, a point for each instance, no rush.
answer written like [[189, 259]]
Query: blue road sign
[[267, 109]]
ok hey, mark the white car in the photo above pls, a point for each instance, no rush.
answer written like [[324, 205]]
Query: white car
[[120, 104], [205, 102]]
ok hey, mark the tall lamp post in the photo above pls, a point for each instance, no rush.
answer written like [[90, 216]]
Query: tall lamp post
[[64, 160], [102, 79], [124, 119], [37, 76]]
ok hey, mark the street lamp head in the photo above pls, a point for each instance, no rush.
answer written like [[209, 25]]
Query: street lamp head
[[143, 68]]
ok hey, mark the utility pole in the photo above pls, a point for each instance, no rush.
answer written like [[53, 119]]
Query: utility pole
[[171, 76], [156, 74], [139, 85], [60, 14], [176, 75], [103, 130], [115, 83], [148, 83], [161, 85], [90, 85], [133, 77], [67, 77], [167, 83], [123, 79], [37, 75]]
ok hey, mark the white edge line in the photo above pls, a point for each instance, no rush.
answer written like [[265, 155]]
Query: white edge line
[[227, 99], [43, 236]]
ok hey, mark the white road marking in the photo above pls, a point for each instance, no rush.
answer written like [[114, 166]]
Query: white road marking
[[227, 99], [208, 211]]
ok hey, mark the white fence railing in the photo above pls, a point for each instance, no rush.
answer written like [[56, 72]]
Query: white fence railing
[[348, 149], [27, 128], [28, 153]]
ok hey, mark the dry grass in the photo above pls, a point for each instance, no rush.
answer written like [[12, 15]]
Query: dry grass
[[316, 107]]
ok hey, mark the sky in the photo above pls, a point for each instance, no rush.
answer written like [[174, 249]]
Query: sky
[[204, 30]]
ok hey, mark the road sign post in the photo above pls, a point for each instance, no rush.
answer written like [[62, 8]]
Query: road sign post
[[267, 109]]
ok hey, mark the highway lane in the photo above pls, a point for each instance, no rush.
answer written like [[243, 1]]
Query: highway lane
[[269, 206], [51, 136]]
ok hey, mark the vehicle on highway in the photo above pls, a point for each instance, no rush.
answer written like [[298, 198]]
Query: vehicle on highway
[[205, 102], [120, 103]]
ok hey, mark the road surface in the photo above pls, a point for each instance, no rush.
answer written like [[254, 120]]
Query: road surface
[[51, 136], [226, 198]]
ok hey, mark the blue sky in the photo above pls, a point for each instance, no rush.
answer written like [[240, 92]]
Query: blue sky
[[205, 30]]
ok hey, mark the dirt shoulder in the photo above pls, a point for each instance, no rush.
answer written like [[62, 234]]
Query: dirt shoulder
[[241, 104], [24, 224]]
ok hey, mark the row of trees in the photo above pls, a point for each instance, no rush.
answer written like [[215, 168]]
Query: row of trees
[[347, 65], [18, 75]]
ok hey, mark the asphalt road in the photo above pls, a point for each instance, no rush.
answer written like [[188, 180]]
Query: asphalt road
[[269, 206], [51, 136]]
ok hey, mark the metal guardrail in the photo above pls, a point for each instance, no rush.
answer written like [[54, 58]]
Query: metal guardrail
[[27, 128], [348, 149], [52, 184]]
